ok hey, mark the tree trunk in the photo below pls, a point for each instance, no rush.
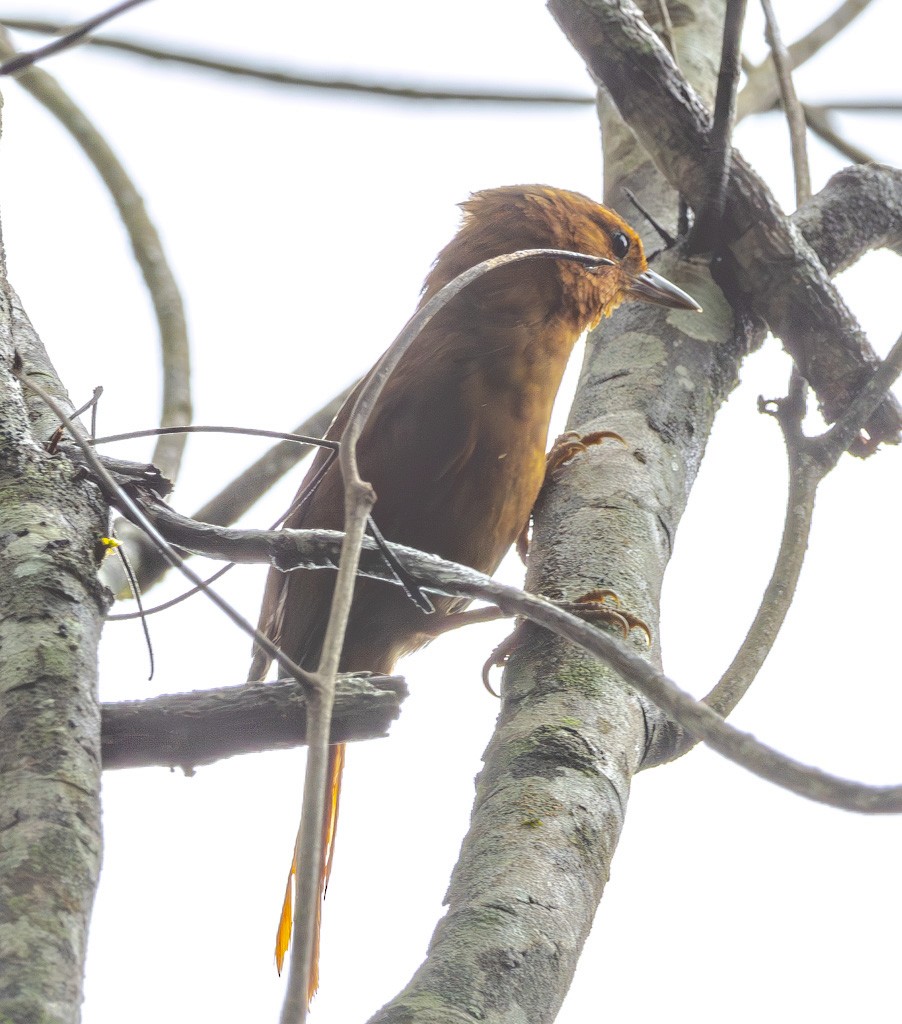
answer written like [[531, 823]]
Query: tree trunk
[[51, 611]]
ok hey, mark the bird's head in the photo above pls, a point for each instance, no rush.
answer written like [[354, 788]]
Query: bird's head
[[517, 217]]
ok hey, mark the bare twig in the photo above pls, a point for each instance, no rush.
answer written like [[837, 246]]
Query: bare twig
[[810, 460], [126, 504], [667, 28], [794, 113], [298, 79], [842, 434], [148, 249], [185, 730], [77, 35], [359, 500], [163, 606], [240, 494], [304, 441], [889, 106], [805, 474], [659, 228], [318, 549], [136, 594], [761, 91], [90, 404], [819, 122], [719, 148]]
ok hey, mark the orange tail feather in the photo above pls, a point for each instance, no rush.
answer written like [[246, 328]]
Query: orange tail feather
[[327, 848]]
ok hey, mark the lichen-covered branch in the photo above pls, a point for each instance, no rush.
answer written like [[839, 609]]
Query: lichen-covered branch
[[857, 211], [51, 613]]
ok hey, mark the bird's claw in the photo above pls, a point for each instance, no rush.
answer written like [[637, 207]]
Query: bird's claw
[[499, 656], [572, 443], [565, 447], [592, 606]]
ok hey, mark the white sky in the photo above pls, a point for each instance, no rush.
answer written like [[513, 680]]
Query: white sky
[[300, 226]]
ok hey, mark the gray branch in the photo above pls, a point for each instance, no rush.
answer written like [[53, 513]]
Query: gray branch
[[320, 549], [857, 211], [224, 508], [51, 613], [775, 271], [185, 730]]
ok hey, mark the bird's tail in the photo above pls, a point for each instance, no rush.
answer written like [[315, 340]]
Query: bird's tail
[[327, 849]]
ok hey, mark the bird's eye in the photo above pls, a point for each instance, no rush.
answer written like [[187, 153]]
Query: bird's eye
[[620, 244]]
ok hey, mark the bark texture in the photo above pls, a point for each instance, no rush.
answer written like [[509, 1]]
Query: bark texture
[[551, 799], [51, 611], [184, 730], [770, 263]]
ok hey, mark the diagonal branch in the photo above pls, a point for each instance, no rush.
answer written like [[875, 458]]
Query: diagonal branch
[[819, 122], [71, 38], [778, 275], [319, 549], [705, 234], [794, 113], [761, 90]]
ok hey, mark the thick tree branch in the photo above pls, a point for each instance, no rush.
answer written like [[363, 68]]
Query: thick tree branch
[[51, 614], [185, 730], [777, 273], [857, 211]]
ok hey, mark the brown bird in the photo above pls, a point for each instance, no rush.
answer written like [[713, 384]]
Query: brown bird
[[455, 447]]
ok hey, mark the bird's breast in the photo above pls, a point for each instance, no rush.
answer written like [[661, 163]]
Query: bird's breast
[[467, 453]]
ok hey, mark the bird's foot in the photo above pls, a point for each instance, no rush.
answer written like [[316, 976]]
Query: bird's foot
[[571, 443], [565, 447], [592, 606]]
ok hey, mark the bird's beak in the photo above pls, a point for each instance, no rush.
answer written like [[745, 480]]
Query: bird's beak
[[653, 288]]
